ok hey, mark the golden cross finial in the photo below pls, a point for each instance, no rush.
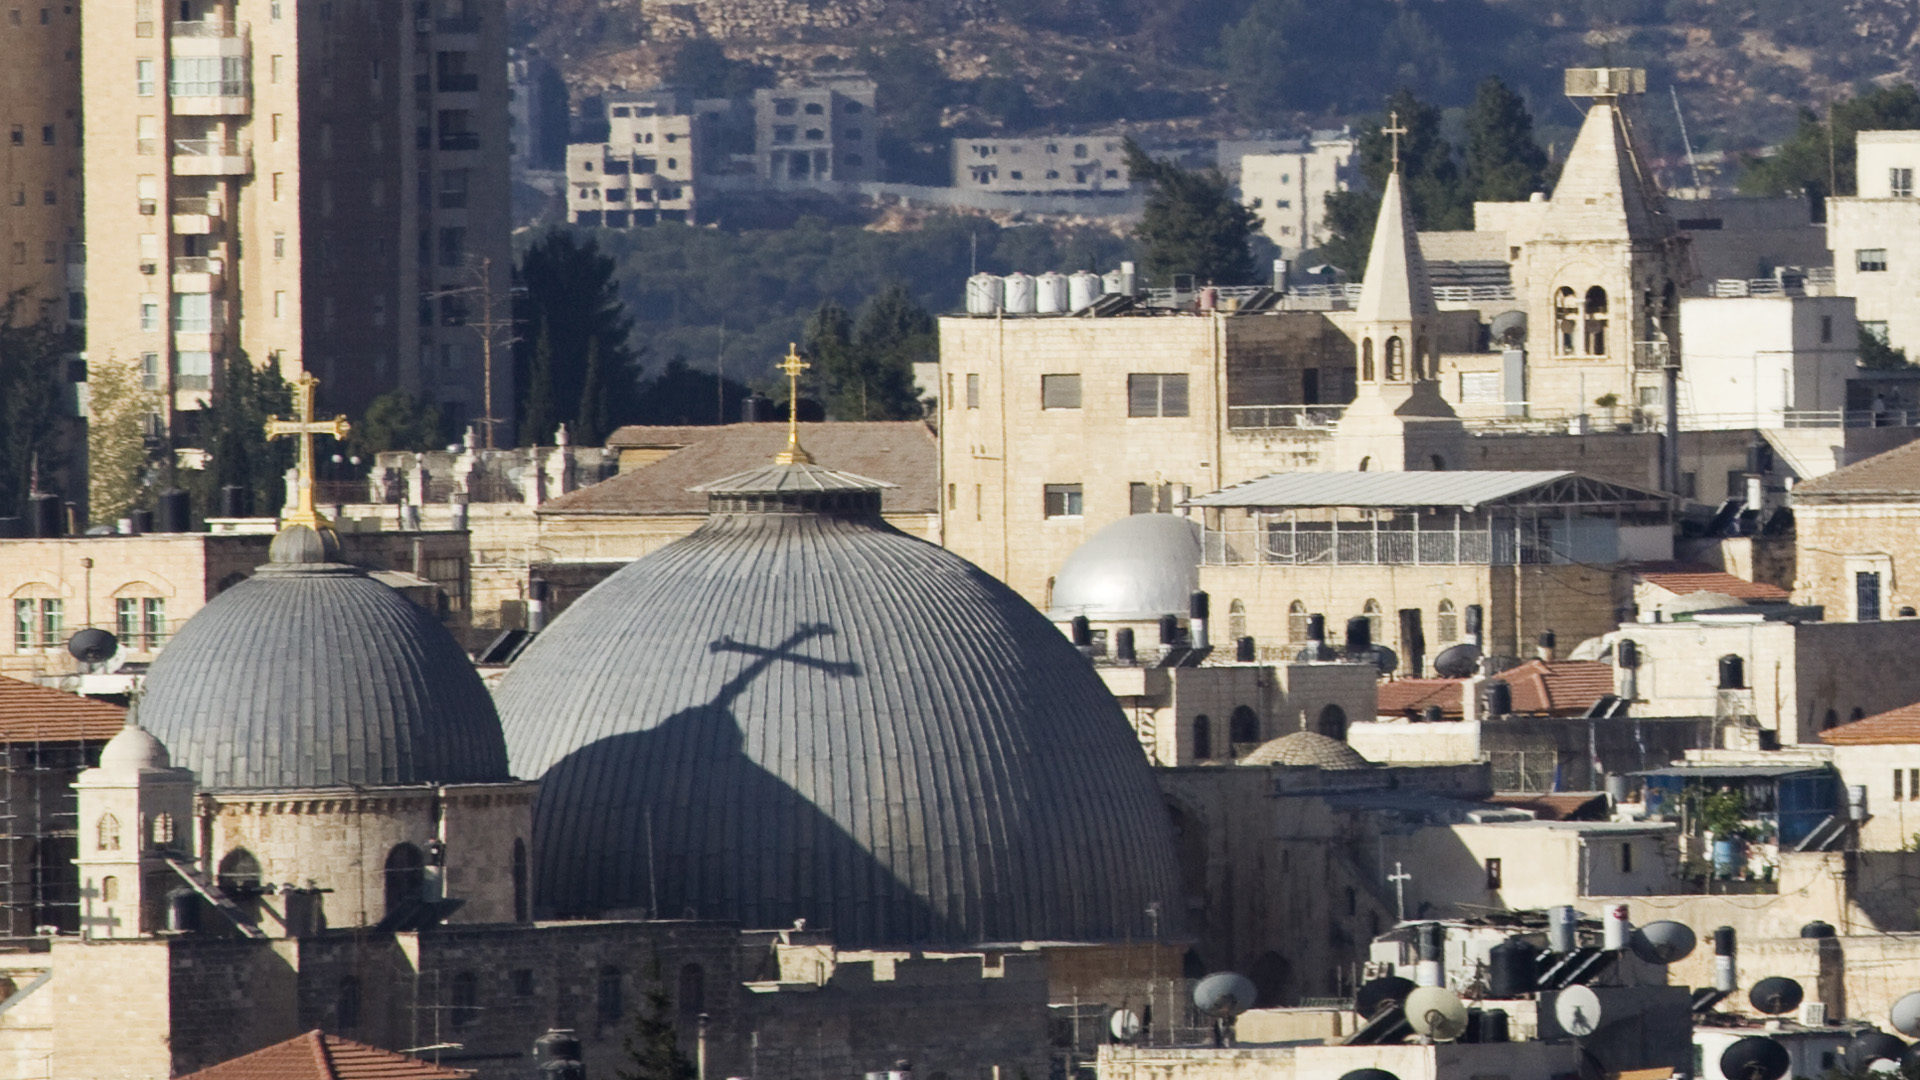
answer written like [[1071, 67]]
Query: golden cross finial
[[304, 427], [1393, 131], [793, 366]]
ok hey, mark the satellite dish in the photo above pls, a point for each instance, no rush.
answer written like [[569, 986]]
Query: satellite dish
[[1224, 993], [1905, 1015], [1871, 1046], [93, 645], [1776, 994], [1125, 1025], [1436, 1012], [1385, 659], [1755, 1058], [1508, 328], [1662, 942], [1457, 661], [1377, 994], [1910, 1062], [1369, 1074], [1578, 1011]]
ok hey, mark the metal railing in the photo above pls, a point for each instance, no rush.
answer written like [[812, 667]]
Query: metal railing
[[203, 88], [207, 28], [1651, 355], [209, 148], [1467, 294], [207, 207], [1363, 546], [1804, 418], [198, 264], [1300, 417]]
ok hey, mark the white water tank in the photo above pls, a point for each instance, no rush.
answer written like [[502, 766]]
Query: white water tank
[[984, 294], [1110, 283], [1052, 293], [1020, 294], [1083, 289]]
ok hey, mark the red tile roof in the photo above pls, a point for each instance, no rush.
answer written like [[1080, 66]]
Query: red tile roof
[[1683, 578], [1901, 725], [901, 452], [30, 713], [1410, 697], [319, 1056], [1540, 688], [1890, 477]]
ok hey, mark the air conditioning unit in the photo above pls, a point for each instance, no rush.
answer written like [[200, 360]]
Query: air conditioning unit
[[149, 207], [149, 268]]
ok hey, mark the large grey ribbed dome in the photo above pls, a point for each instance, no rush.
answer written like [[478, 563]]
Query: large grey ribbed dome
[[311, 674], [799, 712], [1137, 568]]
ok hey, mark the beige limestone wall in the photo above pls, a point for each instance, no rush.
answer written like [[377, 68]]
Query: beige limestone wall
[[119, 987], [1834, 541]]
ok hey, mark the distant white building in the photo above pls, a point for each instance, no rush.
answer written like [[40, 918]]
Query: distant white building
[[1875, 238], [1043, 165], [647, 171], [823, 131], [1288, 186], [1766, 361]]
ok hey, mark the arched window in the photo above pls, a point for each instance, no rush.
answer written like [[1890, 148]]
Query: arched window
[[109, 833], [1366, 359], [1374, 621], [1446, 623], [463, 993], [1831, 719], [609, 1003], [1596, 312], [1566, 321], [346, 1003], [1332, 722], [1364, 462], [239, 873], [1858, 713], [1297, 619], [406, 871], [692, 998], [1396, 360], [109, 889], [1236, 620], [1244, 725], [521, 906], [162, 829], [1202, 739]]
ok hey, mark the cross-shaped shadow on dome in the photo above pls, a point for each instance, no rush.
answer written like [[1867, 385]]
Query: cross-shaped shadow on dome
[[682, 819]]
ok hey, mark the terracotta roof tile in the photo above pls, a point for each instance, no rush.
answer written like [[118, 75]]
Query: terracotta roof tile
[[1901, 725], [1683, 578], [319, 1056], [1540, 688], [901, 453], [1894, 475], [30, 713]]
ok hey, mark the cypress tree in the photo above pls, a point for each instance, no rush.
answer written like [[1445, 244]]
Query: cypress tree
[[541, 415], [590, 424], [653, 1046]]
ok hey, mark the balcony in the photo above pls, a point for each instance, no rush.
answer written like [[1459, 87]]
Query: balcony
[[207, 30], [455, 83], [195, 274], [201, 340], [210, 99], [1651, 355], [212, 157], [197, 217], [459, 140]]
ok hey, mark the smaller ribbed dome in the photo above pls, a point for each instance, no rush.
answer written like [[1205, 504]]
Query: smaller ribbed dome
[[304, 544], [1138, 568], [1307, 748], [133, 750]]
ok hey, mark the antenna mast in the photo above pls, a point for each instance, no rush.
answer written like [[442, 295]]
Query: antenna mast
[[1692, 166]]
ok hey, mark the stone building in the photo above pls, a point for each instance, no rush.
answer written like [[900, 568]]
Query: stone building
[[824, 130], [1043, 165], [647, 172], [42, 256], [1882, 754], [1287, 184], [1869, 233], [1854, 538]]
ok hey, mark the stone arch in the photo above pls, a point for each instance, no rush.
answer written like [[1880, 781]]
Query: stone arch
[[1244, 725], [1332, 722], [239, 873], [1202, 738], [1396, 361], [107, 833], [406, 878], [1236, 620], [1297, 619], [1446, 623], [1594, 313], [109, 889], [1566, 321], [1376, 620], [1366, 359]]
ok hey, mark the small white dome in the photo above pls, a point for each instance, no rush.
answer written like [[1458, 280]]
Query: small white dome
[[1137, 568], [133, 750]]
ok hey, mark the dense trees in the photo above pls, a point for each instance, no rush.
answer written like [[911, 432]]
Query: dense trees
[[653, 1043], [33, 365], [1818, 158], [1192, 224], [1501, 162], [866, 368], [572, 353], [396, 420]]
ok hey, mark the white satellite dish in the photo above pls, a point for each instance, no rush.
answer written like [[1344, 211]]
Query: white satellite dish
[[1437, 1013], [1125, 1025], [1906, 1016], [1578, 1011]]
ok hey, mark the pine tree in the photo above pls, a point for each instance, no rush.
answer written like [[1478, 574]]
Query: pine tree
[[653, 1046], [1192, 224], [590, 425], [540, 417], [1504, 163], [893, 334], [1428, 176], [570, 290]]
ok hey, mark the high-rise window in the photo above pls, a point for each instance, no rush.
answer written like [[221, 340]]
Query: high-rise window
[[1900, 183], [1062, 500], [1866, 596], [1156, 395], [143, 78], [1870, 260]]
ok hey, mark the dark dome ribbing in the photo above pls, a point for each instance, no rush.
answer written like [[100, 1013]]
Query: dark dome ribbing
[[315, 675], [925, 760]]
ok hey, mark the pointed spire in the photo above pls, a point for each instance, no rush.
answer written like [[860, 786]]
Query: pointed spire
[[1396, 289], [1605, 192]]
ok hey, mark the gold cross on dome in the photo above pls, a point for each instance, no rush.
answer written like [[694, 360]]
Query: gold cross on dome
[[793, 366], [304, 427], [1393, 131]]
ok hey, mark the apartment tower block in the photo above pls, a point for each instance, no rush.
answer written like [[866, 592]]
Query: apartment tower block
[[317, 183]]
